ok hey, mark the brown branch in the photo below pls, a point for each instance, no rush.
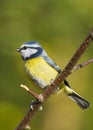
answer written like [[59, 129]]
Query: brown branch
[[67, 70]]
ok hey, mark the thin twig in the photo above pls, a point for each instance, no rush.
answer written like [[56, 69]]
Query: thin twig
[[82, 65], [39, 97], [67, 70], [30, 91]]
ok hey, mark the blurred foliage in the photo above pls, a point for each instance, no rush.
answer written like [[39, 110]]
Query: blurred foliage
[[60, 26]]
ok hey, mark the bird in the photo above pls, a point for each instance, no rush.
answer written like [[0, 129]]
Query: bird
[[42, 70]]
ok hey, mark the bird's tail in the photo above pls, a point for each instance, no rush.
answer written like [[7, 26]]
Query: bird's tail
[[84, 104]]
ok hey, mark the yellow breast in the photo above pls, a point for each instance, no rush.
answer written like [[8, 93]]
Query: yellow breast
[[40, 71]]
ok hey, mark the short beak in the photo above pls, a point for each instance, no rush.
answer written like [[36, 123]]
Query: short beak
[[18, 50]]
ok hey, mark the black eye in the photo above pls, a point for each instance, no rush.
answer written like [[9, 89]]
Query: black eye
[[24, 48]]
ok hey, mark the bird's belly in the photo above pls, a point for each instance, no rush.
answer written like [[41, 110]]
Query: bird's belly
[[40, 72]]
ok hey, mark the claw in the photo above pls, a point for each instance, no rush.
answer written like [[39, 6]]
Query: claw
[[33, 103]]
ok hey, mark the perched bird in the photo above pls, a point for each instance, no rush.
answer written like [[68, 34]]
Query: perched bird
[[43, 70]]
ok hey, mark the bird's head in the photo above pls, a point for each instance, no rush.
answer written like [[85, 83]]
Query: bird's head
[[31, 50]]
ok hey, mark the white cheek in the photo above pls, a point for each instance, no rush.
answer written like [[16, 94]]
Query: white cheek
[[28, 52], [33, 51]]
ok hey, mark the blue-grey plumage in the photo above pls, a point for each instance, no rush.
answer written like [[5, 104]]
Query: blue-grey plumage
[[42, 70]]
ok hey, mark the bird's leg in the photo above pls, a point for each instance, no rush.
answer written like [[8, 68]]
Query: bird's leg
[[34, 103]]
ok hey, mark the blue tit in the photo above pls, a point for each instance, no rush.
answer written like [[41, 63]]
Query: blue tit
[[42, 70]]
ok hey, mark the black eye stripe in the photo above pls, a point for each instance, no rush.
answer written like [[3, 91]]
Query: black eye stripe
[[25, 47]]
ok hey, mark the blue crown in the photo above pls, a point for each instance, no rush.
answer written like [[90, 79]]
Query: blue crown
[[31, 42]]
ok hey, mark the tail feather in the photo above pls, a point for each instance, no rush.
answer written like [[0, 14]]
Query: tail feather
[[83, 103]]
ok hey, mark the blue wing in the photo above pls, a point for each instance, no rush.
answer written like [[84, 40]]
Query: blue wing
[[55, 66], [52, 63]]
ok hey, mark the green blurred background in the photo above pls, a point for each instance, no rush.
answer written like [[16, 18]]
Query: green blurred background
[[60, 26]]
